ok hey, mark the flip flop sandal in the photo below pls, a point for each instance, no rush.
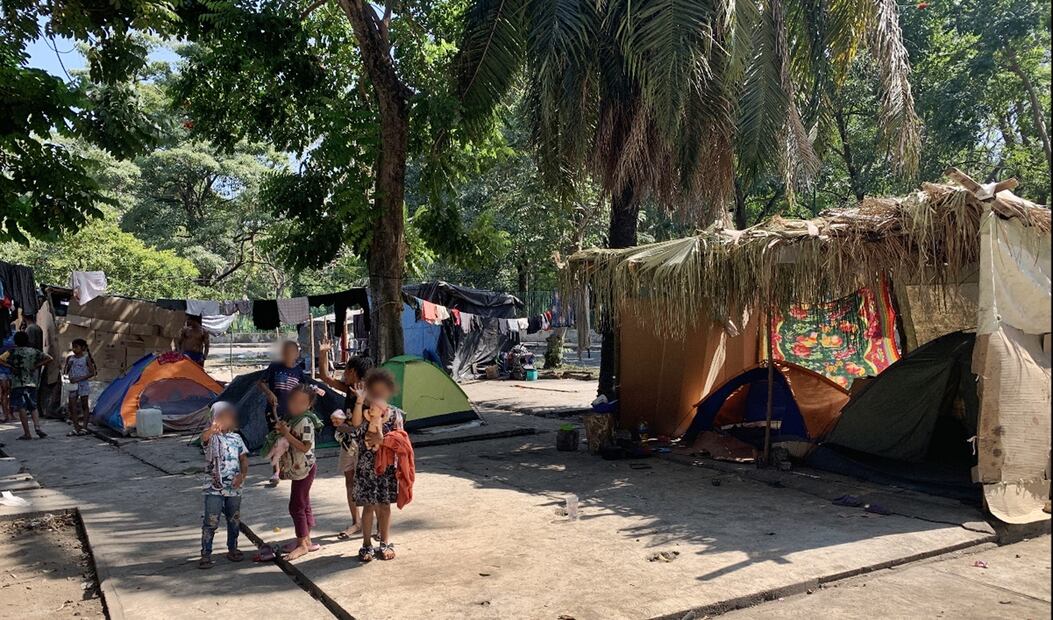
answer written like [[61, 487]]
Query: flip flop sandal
[[265, 554], [343, 535], [235, 556], [41, 433], [365, 554], [205, 562], [288, 547], [382, 551]]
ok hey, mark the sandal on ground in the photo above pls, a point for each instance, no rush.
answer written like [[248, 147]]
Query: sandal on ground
[[205, 562], [273, 482], [24, 437], [386, 551], [235, 555], [354, 530], [365, 554], [41, 433], [265, 554]]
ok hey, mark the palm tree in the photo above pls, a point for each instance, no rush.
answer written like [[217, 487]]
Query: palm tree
[[675, 99]]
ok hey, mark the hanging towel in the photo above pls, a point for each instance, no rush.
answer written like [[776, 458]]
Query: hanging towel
[[20, 286], [455, 314], [397, 450], [442, 313], [466, 321], [502, 326], [522, 325], [217, 324], [265, 314], [179, 305], [202, 307], [235, 306], [429, 312], [87, 285], [294, 311], [534, 325]]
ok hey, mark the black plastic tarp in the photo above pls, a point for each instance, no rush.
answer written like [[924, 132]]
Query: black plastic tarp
[[248, 399], [459, 351], [897, 414]]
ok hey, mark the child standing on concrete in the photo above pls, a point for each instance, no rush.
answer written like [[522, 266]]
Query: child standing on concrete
[[226, 466], [25, 363], [79, 368], [298, 464]]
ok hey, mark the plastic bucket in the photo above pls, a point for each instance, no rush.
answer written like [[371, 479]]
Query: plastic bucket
[[531, 374]]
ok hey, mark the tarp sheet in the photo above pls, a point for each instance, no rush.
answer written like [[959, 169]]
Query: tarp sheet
[[1014, 276]]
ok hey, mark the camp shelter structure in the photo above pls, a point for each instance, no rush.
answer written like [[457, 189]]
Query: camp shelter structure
[[427, 394], [170, 382], [699, 295], [805, 406], [457, 352], [119, 330]]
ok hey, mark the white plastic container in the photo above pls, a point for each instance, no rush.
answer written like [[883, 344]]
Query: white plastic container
[[148, 423]]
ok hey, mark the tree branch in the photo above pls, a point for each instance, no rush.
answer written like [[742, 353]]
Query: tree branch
[[311, 9]]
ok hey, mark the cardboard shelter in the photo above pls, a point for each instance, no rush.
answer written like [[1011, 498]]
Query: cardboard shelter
[[119, 331], [674, 306]]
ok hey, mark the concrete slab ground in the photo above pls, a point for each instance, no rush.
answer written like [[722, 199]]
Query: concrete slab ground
[[1015, 584], [546, 396], [481, 538]]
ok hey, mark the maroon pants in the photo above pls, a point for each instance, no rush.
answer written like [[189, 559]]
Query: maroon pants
[[300, 504]]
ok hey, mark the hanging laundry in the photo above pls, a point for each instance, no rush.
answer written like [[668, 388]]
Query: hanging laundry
[[534, 325], [87, 285], [522, 324], [202, 307], [217, 324], [179, 305], [244, 306], [467, 318], [294, 311], [546, 320], [20, 286], [229, 307], [455, 314], [429, 312], [265, 314], [442, 313], [341, 303]]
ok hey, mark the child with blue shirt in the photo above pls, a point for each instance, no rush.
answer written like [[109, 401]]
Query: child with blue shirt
[[226, 466]]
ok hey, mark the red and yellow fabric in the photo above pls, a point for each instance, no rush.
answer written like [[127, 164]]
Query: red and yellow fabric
[[843, 340]]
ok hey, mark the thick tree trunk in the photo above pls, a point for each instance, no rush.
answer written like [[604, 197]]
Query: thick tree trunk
[[625, 215], [846, 154], [522, 276], [741, 217], [387, 252]]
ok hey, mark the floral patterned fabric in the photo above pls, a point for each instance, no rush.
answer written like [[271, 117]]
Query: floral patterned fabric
[[844, 339]]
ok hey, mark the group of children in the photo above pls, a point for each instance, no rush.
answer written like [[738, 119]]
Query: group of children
[[21, 362], [372, 442]]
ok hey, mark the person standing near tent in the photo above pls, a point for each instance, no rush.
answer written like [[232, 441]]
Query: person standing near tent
[[226, 467], [278, 381], [79, 368], [354, 373], [375, 492], [193, 340], [25, 363]]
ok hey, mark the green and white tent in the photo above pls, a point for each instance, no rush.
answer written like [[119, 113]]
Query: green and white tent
[[427, 394]]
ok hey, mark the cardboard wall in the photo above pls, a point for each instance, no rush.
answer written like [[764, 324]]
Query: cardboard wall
[[661, 379]]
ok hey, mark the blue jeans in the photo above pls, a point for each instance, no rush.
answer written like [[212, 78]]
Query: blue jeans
[[230, 508]]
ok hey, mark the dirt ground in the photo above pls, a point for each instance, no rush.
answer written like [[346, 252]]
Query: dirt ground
[[45, 570]]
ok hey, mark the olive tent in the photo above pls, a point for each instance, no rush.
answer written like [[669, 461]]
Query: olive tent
[[427, 394], [170, 382]]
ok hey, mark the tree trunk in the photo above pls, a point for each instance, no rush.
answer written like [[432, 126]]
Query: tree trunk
[[741, 217], [522, 277], [387, 251], [846, 154], [625, 215], [1037, 116]]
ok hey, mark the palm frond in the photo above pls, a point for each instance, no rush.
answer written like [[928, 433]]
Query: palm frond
[[490, 55], [762, 103], [899, 121]]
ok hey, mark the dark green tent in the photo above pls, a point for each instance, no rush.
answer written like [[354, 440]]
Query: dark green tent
[[920, 408]]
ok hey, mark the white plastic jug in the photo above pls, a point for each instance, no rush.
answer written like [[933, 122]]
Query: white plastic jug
[[148, 423]]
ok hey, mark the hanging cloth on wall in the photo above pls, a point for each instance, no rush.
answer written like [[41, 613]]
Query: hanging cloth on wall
[[294, 311], [20, 286], [87, 285], [217, 324], [265, 314]]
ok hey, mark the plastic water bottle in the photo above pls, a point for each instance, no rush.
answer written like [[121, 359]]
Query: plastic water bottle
[[571, 503]]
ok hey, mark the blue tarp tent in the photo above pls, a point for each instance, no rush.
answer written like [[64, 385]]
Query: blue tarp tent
[[419, 337]]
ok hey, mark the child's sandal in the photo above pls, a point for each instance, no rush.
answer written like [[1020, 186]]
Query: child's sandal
[[365, 554]]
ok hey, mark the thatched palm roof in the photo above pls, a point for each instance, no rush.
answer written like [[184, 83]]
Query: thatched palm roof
[[932, 233]]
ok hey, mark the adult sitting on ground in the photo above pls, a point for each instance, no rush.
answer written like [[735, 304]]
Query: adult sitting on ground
[[193, 340], [354, 373]]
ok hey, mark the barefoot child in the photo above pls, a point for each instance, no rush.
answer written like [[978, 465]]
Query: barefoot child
[[375, 492], [226, 466], [298, 464], [354, 372], [79, 368]]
